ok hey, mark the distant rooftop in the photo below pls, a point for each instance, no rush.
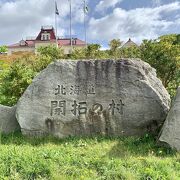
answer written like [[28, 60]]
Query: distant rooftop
[[129, 43]]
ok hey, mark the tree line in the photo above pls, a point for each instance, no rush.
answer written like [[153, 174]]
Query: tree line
[[162, 53]]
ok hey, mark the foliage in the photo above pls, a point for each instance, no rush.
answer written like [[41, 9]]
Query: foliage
[[178, 39], [104, 54], [3, 49], [164, 55], [15, 78], [41, 62], [93, 51], [51, 51], [1, 65], [78, 53], [86, 158], [114, 46], [129, 52], [116, 51]]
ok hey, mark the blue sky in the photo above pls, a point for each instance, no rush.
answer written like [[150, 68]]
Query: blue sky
[[107, 19]]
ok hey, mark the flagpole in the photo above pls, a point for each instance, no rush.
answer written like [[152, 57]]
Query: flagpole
[[56, 29], [56, 23], [70, 9], [85, 32]]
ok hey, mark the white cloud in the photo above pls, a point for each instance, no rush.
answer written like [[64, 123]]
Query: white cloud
[[21, 18], [105, 4], [140, 23]]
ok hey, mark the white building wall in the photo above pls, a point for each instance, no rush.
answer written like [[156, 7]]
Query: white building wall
[[20, 49]]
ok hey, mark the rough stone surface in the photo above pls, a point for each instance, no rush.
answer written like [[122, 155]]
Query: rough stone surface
[[107, 97], [170, 132], [8, 121]]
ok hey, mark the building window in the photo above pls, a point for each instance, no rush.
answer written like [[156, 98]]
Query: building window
[[48, 37], [45, 36]]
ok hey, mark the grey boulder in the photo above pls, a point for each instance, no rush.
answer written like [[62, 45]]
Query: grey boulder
[[170, 132], [88, 97], [8, 121]]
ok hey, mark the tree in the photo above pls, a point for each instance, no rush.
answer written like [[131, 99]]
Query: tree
[[114, 46], [93, 51], [164, 55], [129, 52], [104, 54], [78, 53]]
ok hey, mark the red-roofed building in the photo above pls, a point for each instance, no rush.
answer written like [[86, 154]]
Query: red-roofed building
[[45, 37]]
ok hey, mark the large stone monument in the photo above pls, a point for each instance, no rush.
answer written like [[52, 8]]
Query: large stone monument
[[8, 122], [170, 132], [88, 97]]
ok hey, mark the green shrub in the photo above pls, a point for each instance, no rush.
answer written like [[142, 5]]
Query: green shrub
[[18, 76], [51, 52], [14, 80]]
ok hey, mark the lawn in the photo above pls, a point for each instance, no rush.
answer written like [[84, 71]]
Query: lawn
[[86, 158]]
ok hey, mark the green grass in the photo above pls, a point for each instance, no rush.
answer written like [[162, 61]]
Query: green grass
[[86, 158]]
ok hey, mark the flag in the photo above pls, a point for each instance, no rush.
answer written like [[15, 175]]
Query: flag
[[86, 9], [56, 9]]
